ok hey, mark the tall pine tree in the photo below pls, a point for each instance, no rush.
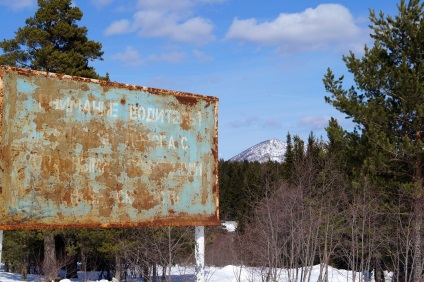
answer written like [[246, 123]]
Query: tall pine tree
[[52, 41], [387, 101], [288, 165]]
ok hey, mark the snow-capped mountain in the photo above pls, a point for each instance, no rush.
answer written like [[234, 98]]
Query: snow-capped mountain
[[270, 150]]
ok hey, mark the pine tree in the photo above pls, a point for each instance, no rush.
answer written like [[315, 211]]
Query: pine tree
[[298, 149], [314, 149], [387, 101], [52, 41], [22, 250], [288, 164]]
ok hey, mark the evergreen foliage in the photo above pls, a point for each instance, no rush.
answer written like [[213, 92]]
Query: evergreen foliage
[[52, 41], [241, 187], [22, 251], [288, 157], [387, 104]]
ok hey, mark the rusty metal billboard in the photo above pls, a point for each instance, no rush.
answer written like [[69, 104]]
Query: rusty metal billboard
[[85, 153]]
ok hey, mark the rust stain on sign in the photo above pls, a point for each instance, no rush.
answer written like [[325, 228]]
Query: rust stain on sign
[[78, 152]]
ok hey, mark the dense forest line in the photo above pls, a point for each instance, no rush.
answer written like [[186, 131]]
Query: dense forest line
[[320, 207]]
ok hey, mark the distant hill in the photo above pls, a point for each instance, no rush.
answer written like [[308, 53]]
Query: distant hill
[[270, 150]]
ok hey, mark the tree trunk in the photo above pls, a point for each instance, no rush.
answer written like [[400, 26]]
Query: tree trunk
[[418, 217], [49, 265], [155, 272], [24, 272], [118, 269], [1, 245], [378, 272], [164, 268], [417, 241], [71, 268], [146, 272]]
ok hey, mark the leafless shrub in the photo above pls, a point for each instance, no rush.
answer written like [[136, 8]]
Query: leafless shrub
[[220, 246], [297, 224]]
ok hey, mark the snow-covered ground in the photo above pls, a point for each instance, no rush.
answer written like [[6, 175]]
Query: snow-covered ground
[[228, 273]]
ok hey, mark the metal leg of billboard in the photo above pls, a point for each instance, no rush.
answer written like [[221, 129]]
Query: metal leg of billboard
[[1, 245], [200, 253]]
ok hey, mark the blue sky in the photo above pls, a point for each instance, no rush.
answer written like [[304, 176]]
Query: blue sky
[[264, 60]]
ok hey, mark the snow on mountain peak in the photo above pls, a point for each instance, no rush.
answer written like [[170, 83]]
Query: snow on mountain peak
[[270, 150]]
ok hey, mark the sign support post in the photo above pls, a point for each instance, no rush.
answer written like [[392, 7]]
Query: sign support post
[[200, 253], [1, 245]]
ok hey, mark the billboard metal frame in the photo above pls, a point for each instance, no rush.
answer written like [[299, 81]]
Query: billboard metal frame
[[78, 152]]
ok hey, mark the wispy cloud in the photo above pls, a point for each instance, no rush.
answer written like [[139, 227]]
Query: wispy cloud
[[254, 121], [327, 27], [131, 57], [164, 82], [173, 26], [202, 57], [165, 5], [101, 3], [314, 122], [172, 5], [172, 20], [248, 122], [118, 27], [18, 4], [273, 123], [172, 57]]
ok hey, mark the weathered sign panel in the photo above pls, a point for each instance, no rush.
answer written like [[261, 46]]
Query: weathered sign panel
[[83, 153]]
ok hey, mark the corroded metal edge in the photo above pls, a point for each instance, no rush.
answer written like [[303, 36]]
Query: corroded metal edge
[[212, 221], [1, 126], [105, 83]]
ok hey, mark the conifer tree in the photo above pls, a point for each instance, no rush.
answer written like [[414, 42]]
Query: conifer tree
[[52, 41], [313, 147], [387, 101], [298, 149], [288, 164]]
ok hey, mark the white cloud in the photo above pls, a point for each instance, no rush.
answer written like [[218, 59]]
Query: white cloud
[[172, 57], [202, 57], [154, 23], [273, 123], [130, 57], [329, 26], [314, 122], [18, 4], [165, 5], [118, 27], [173, 5], [100, 3], [247, 122], [212, 1], [172, 20]]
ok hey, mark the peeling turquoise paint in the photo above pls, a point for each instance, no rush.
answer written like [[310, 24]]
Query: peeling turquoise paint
[[83, 153]]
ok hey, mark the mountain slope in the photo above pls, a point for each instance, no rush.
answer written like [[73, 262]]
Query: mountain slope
[[270, 150]]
